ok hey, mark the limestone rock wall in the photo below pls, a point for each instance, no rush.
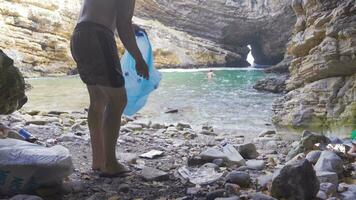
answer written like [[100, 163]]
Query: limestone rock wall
[[36, 34], [323, 70], [12, 86], [264, 24]]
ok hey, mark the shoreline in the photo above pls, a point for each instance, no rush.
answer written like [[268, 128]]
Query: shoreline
[[181, 148]]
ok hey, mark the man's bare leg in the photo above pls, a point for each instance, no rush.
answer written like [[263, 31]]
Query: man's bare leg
[[98, 103], [111, 128]]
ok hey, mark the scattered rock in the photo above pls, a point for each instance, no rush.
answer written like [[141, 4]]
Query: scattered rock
[[153, 174], [295, 181], [313, 156], [256, 164], [329, 161], [215, 194], [248, 151], [125, 188], [133, 127], [261, 196], [233, 156], [264, 182], [267, 133], [171, 111], [182, 126], [240, 178], [228, 198], [211, 153], [350, 193], [329, 188], [321, 195], [232, 189], [307, 143], [25, 197], [327, 177], [129, 158]]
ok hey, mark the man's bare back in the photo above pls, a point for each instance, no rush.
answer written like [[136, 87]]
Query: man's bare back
[[100, 11]]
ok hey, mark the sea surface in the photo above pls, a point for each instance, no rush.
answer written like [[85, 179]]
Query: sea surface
[[228, 101]]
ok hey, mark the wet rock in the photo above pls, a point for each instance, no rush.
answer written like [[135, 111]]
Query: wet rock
[[261, 196], [267, 133], [215, 194], [329, 161], [233, 156], [240, 178], [232, 189], [153, 174], [329, 188], [313, 156], [295, 181], [307, 143], [274, 85], [256, 164], [26, 197], [152, 154], [248, 151], [327, 177], [350, 193]]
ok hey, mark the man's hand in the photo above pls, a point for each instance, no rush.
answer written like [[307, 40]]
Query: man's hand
[[142, 68]]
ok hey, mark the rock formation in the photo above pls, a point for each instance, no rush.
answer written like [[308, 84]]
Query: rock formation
[[184, 33], [322, 86], [234, 24], [12, 86], [36, 34]]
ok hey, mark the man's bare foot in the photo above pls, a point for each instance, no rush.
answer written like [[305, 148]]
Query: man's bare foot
[[115, 170]]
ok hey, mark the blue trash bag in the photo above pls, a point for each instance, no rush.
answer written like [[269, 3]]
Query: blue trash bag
[[138, 88]]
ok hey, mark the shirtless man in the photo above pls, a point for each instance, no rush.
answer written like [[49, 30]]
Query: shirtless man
[[94, 49], [210, 74]]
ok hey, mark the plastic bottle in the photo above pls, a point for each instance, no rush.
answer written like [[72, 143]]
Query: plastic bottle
[[27, 135]]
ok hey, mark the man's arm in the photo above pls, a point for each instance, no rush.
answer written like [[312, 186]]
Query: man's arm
[[127, 35]]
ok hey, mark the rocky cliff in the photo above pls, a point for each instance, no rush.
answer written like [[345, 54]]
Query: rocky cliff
[[12, 86], [36, 34], [184, 33], [322, 86], [234, 24]]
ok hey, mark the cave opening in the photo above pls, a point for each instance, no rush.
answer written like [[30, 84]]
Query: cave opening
[[250, 59]]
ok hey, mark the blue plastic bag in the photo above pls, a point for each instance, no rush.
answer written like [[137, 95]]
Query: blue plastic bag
[[138, 88]]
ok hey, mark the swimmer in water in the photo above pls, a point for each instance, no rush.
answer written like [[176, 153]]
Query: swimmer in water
[[210, 74]]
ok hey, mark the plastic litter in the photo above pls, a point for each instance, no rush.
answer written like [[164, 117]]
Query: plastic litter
[[138, 88], [24, 166], [200, 176]]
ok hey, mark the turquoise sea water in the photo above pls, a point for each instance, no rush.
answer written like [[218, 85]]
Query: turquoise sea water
[[228, 101]]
